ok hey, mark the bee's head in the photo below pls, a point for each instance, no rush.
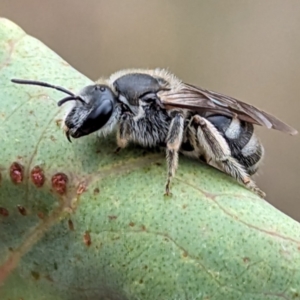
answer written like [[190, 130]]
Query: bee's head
[[92, 110], [93, 107]]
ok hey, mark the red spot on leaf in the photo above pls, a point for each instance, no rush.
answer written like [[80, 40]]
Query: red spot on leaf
[[37, 176], [59, 183], [58, 122], [41, 215], [71, 225], [131, 224], [35, 275], [4, 212], [53, 139], [49, 278], [246, 260], [87, 238], [96, 191], [112, 217], [16, 172], [22, 210]]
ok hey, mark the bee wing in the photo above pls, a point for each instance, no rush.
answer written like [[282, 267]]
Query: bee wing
[[201, 100]]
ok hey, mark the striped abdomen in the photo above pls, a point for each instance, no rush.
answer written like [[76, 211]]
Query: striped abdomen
[[243, 143]]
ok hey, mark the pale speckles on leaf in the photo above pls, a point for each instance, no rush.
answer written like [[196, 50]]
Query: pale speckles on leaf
[[81, 188]]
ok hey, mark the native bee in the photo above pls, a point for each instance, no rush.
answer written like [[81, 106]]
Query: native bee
[[155, 108]]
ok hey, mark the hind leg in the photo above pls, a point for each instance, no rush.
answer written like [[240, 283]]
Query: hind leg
[[216, 148]]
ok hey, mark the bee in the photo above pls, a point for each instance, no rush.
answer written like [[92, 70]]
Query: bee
[[155, 108]]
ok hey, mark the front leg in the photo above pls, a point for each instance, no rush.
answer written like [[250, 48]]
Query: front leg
[[174, 140], [123, 135], [123, 132]]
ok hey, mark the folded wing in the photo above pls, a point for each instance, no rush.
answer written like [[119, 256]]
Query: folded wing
[[201, 100]]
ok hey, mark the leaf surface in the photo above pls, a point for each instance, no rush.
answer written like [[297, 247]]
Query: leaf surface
[[80, 222]]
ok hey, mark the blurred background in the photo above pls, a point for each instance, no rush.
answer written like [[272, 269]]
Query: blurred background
[[248, 49]]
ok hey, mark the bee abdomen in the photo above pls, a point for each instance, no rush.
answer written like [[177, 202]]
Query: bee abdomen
[[250, 155], [242, 141]]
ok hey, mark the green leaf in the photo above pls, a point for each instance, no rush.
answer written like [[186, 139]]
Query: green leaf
[[112, 234]]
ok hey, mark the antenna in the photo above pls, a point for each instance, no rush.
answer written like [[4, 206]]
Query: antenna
[[45, 84]]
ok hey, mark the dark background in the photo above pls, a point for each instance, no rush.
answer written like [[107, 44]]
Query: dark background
[[249, 49]]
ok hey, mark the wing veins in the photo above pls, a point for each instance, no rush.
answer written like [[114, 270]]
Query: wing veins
[[198, 99]]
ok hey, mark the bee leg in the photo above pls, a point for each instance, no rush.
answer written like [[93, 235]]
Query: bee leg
[[174, 140], [123, 136], [216, 148]]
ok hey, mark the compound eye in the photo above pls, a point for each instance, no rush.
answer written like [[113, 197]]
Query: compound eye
[[97, 118]]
